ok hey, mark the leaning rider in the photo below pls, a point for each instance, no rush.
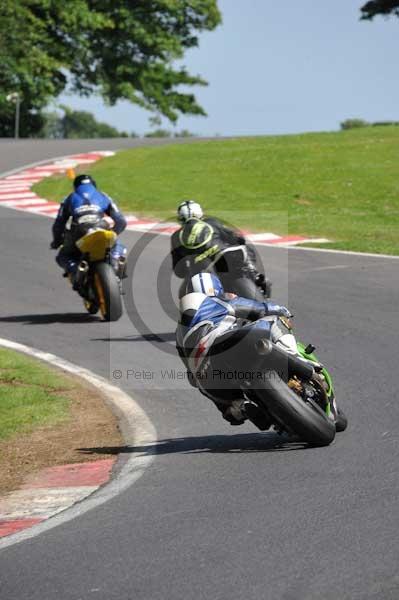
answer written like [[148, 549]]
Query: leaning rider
[[84, 208], [212, 323], [204, 242]]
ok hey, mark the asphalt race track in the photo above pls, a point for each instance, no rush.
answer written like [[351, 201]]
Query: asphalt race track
[[222, 513]]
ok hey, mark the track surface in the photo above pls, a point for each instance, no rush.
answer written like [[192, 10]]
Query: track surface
[[222, 513]]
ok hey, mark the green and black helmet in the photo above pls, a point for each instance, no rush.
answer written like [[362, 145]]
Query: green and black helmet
[[195, 234]]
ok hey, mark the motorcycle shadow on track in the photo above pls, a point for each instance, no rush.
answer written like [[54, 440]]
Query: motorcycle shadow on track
[[214, 444], [146, 337], [48, 319]]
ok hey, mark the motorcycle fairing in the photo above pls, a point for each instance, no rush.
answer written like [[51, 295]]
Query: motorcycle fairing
[[96, 243]]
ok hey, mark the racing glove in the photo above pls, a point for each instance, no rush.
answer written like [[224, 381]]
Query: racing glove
[[277, 309]]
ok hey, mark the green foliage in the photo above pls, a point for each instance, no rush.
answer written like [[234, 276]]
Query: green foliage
[[165, 133], [380, 7], [184, 133], [354, 124], [52, 126], [159, 133], [385, 124], [26, 66], [358, 123], [122, 50], [77, 124], [342, 185], [82, 124]]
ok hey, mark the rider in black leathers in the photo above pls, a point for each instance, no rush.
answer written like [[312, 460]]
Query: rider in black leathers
[[204, 243]]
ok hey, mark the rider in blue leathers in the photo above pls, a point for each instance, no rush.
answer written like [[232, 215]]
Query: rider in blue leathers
[[212, 324], [82, 209]]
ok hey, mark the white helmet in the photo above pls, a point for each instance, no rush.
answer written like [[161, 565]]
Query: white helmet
[[189, 209]]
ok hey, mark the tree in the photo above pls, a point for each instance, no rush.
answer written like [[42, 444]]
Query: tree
[[159, 133], [121, 49], [380, 7], [25, 69], [82, 124], [354, 124], [77, 124], [52, 126], [184, 133]]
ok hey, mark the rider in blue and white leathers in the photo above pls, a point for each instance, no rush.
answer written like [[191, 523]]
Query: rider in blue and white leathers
[[82, 209], [211, 319]]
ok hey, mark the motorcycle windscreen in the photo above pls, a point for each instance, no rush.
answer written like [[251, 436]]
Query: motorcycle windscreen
[[95, 244]]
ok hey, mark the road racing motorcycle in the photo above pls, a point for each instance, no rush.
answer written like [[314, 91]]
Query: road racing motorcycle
[[99, 274], [284, 385], [235, 268]]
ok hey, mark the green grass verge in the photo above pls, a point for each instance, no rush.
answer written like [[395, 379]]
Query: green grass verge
[[343, 186], [31, 395]]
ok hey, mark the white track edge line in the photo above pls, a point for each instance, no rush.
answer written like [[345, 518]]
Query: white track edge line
[[137, 429], [332, 251]]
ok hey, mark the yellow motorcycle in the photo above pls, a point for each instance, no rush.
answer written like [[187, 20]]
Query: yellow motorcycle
[[99, 275]]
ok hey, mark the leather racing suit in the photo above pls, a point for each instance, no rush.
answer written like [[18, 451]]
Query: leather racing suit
[[81, 210], [207, 244], [211, 342]]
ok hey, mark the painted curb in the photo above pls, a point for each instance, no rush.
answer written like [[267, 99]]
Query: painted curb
[[135, 224], [15, 193], [137, 430]]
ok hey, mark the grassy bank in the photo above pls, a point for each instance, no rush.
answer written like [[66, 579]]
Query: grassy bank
[[31, 395], [48, 419], [343, 185]]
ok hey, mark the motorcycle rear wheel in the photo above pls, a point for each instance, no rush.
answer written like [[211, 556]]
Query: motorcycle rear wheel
[[305, 419], [107, 292]]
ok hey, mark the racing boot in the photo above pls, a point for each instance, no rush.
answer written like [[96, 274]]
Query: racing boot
[[234, 413], [256, 415], [338, 415]]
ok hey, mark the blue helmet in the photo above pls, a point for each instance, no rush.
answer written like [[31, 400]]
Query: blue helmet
[[206, 283]]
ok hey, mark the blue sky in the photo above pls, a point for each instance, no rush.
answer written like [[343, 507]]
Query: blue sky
[[276, 68]]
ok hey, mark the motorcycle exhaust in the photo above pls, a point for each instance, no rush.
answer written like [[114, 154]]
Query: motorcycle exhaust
[[285, 362], [83, 267], [81, 271]]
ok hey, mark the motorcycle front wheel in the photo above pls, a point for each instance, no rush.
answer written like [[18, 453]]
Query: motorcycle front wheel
[[292, 413]]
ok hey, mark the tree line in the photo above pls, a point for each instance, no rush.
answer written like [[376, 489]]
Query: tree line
[[359, 123], [117, 49], [121, 50], [82, 124]]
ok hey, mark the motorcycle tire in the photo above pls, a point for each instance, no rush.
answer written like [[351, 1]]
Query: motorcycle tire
[[305, 419], [341, 422], [107, 292]]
